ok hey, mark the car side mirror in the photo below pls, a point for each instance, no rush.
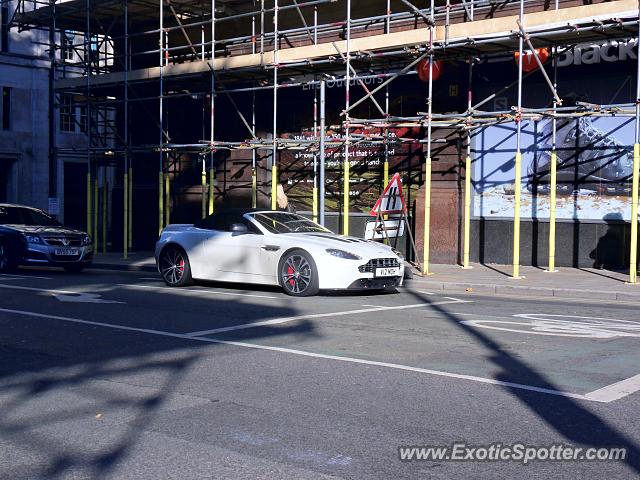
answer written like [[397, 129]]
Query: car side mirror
[[239, 229]]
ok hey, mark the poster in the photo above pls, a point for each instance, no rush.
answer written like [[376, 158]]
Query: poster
[[594, 169], [366, 169]]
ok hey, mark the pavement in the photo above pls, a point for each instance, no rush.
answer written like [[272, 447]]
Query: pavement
[[113, 375], [568, 283]]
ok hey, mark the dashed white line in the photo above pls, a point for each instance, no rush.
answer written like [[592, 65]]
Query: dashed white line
[[8, 276], [615, 391], [193, 290], [279, 321], [490, 381]]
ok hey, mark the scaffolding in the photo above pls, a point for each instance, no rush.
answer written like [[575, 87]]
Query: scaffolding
[[134, 52]]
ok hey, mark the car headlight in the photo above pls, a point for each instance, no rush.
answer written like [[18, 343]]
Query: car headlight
[[86, 239], [33, 239], [398, 253], [342, 254]]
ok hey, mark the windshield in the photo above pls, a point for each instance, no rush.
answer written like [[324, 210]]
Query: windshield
[[283, 222], [26, 216]]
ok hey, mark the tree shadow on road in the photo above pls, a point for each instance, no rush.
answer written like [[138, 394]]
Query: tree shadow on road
[[570, 418], [58, 377]]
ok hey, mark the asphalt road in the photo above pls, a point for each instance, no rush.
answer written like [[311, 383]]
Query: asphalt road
[[112, 375]]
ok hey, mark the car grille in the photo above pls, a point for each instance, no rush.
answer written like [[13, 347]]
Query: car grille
[[58, 241], [374, 263], [65, 258]]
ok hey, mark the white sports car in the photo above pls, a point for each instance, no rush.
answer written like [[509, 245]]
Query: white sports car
[[274, 248]]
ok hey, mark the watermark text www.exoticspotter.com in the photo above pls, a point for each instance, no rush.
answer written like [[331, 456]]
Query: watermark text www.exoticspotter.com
[[517, 452]]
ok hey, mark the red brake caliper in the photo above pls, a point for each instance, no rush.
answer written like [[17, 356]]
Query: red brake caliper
[[290, 272], [181, 265]]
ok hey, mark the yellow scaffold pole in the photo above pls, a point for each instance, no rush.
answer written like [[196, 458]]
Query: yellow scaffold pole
[[254, 187], [633, 262], [212, 179], [552, 212], [314, 207], [160, 202], [346, 188], [125, 236], [167, 199], [105, 188], [203, 183], [467, 212], [274, 186], [89, 224], [516, 217], [95, 213], [427, 217], [130, 211]]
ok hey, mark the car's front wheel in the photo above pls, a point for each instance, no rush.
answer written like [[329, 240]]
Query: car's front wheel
[[174, 267], [298, 274], [7, 262]]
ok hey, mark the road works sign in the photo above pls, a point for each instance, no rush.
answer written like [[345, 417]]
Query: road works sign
[[391, 200], [375, 230]]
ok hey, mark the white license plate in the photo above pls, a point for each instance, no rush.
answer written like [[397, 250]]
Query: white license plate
[[387, 272], [66, 251]]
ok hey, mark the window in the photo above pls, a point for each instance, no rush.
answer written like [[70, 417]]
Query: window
[[4, 28], [67, 114], [222, 222], [83, 119], [67, 46], [6, 108]]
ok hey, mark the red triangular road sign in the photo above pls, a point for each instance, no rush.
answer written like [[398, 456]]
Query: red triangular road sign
[[391, 200]]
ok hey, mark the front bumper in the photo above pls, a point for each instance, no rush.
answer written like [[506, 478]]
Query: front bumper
[[37, 254], [337, 274]]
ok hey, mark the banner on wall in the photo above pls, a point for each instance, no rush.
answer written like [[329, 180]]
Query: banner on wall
[[594, 169], [366, 169]]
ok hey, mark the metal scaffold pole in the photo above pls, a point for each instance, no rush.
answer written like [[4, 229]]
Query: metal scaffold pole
[[161, 192], [346, 162], [468, 167], [554, 171], [127, 223], [323, 133], [518, 160], [212, 111], [427, 172], [633, 256], [314, 193], [274, 154], [254, 166]]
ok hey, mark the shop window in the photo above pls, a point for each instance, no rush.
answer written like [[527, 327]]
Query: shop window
[[6, 108]]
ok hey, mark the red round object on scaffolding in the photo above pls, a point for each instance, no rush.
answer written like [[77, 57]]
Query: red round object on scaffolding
[[529, 63], [423, 69]]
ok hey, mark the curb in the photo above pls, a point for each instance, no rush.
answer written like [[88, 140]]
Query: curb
[[512, 290]]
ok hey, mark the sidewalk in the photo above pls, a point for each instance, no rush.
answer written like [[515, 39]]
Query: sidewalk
[[571, 283]]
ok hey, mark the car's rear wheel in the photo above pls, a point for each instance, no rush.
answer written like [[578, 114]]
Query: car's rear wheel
[[7, 262], [174, 267], [298, 274]]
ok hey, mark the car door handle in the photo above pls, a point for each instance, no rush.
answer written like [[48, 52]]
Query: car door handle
[[270, 248]]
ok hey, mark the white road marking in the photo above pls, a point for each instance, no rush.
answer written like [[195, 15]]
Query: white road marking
[[84, 298], [193, 290], [279, 321], [575, 326], [65, 295], [615, 391], [8, 276], [395, 366]]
